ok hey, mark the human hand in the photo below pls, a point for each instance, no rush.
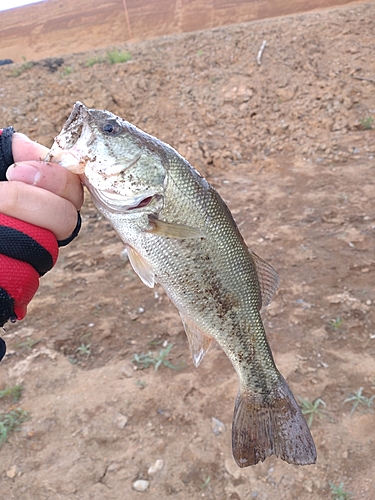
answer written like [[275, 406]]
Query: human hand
[[44, 194], [38, 209]]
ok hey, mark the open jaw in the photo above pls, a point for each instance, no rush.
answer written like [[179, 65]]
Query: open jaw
[[117, 203]]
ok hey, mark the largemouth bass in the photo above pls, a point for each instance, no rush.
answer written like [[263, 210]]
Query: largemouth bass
[[179, 233]]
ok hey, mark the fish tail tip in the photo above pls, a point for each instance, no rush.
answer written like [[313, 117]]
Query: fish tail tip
[[272, 427]]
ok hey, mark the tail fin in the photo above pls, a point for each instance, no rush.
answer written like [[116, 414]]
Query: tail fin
[[273, 426]]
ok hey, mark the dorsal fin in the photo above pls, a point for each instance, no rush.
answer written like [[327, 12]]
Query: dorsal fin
[[141, 267], [268, 279], [199, 342]]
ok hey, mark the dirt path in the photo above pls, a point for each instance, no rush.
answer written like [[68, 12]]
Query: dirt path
[[290, 145]]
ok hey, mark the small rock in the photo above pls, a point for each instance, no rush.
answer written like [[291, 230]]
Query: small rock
[[158, 465], [128, 371], [232, 468], [140, 485], [12, 472], [113, 467], [121, 421], [218, 427]]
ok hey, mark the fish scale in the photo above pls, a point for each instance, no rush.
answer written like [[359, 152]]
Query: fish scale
[[180, 233]]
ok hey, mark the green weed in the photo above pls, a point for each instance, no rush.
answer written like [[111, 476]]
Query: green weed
[[338, 492], [335, 324], [28, 344], [118, 56], [151, 358], [21, 69], [95, 60], [141, 384], [14, 392], [84, 350], [206, 483], [359, 400], [66, 71], [367, 123], [311, 409], [10, 421]]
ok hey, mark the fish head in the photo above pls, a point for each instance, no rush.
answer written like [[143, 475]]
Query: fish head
[[122, 167]]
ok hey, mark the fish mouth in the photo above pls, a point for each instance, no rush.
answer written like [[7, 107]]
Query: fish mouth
[[75, 133], [117, 203]]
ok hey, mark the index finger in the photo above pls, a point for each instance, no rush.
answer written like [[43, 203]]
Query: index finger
[[49, 176], [25, 149]]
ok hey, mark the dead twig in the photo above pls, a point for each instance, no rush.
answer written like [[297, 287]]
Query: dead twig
[[260, 52], [364, 79]]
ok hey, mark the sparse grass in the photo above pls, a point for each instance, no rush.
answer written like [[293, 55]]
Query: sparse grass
[[335, 324], [118, 56], [21, 69], [10, 421], [28, 344], [141, 384], [95, 60], [66, 71], [338, 492], [84, 350], [14, 392], [114, 56], [311, 409], [206, 483], [152, 358], [358, 400], [367, 122]]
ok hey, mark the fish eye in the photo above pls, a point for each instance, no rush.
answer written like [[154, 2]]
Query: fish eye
[[111, 128]]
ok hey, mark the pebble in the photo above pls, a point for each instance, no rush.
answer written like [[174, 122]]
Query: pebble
[[12, 472], [232, 468], [121, 421], [158, 465], [218, 427], [128, 371], [141, 485]]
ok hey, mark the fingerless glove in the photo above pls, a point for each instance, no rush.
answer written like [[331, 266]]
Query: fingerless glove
[[27, 252]]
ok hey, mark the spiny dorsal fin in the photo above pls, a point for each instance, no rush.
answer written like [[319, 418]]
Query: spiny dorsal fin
[[268, 279], [141, 267], [172, 230], [199, 342]]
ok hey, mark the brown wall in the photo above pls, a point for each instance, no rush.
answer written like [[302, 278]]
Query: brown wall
[[57, 27]]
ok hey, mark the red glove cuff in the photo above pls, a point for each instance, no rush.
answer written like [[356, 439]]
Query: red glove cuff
[[26, 253]]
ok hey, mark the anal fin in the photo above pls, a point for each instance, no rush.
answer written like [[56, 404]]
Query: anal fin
[[199, 342], [271, 425], [141, 267]]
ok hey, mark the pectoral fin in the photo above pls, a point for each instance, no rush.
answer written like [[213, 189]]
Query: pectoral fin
[[268, 279], [199, 342], [141, 267], [172, 230]]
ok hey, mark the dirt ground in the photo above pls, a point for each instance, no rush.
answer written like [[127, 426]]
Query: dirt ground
[[290, 146]]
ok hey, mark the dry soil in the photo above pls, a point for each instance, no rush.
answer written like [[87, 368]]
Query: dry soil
[[290, 146]]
